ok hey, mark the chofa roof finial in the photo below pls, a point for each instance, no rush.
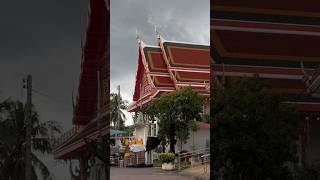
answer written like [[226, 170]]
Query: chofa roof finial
[[137, 36], [156, 31]]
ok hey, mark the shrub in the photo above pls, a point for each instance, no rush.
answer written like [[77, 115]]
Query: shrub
[[156, 163], [167, 157], [307, 171]]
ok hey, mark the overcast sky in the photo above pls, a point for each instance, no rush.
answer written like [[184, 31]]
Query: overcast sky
[[43, 38], [176, 20]]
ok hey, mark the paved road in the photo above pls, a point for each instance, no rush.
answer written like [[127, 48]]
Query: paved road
[[144, 174]]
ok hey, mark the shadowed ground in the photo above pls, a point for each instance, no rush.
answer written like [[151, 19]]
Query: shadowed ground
[[201, 172], [145, 174]]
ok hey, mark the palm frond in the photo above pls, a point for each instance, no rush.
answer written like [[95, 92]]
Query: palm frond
[[12, 141], [54, 126], [34, 174], [37, 163], [41, 144]]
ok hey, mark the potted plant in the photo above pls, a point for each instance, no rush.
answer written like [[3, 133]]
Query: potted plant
[[167, 160]]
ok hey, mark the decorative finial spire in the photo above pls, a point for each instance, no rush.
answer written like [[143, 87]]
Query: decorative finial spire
[[137, 36], [156, 31]]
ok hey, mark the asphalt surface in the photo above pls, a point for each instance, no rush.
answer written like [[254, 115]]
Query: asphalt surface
[[145, 174]]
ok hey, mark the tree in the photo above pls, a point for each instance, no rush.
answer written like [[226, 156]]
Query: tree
[[130, 130], [12, 141], [176, 112], [205, 118], [306, 171], [254, 135], [118, 118]]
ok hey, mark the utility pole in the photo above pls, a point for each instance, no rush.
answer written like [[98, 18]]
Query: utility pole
[[28, 125]]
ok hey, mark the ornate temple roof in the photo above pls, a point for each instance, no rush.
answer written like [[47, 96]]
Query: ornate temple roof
[[272, 40], [168, 66], [71, 144], [94, 57]]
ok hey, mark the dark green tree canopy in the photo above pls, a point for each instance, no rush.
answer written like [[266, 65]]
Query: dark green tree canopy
[[254, 134], [176, 112], [12, 141]]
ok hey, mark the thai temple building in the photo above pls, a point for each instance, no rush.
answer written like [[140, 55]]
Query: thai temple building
[[277, 42], [91, 106], [165, 68]]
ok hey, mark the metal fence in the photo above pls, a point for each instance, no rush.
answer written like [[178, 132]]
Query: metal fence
[[193, 158], [65, 136]]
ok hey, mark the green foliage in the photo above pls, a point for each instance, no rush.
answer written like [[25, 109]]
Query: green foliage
[[156, 163], [205, 118], [176, 111], [12, 141], [183, 133], [130, 130], [192, 125], [167, 157], [254, 134], [118, 118], [307, 171]]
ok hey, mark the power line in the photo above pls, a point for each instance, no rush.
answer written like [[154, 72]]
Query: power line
[[41, 93], [51, 98]]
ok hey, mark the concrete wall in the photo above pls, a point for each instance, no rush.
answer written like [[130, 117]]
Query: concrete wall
[[139, 132], [199, 139]]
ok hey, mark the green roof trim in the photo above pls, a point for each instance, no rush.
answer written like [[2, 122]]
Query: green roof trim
[[266, 18], [196, 46], [301, 98], [152, 49], [258, 62]]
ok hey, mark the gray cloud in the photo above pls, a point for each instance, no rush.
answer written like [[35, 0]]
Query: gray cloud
[[177, 20], [43, 38]]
